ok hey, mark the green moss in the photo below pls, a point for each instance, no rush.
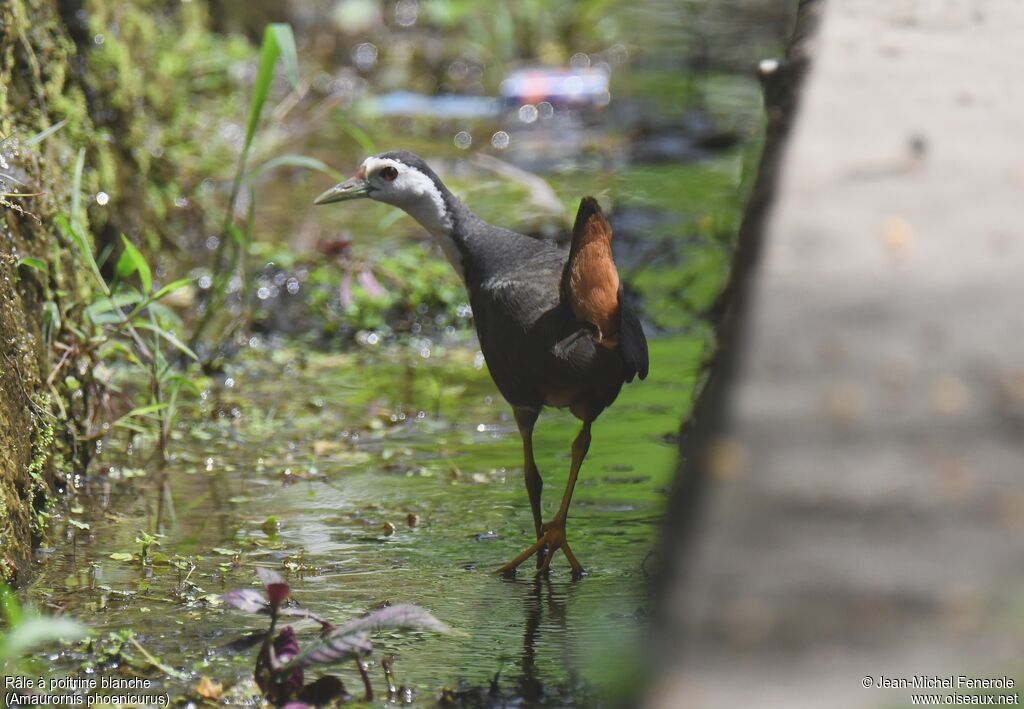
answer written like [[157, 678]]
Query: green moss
[[42, 456], [128, 99]]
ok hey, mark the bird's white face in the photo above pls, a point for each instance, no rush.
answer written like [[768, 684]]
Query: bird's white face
[[393, 182], [399, 184]]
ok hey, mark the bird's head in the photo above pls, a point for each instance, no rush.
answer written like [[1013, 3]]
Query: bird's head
[[401, 179]]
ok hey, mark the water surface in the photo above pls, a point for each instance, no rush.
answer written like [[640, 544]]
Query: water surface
[[373, 469], [339, 447]]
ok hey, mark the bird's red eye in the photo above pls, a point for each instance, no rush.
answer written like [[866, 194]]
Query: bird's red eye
[[389, 173]]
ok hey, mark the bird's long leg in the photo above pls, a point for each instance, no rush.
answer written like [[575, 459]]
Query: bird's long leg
[[553, 533], [554, 530], [525, 419]]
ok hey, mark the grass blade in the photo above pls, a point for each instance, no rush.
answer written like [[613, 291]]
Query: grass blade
[[33, 262], [132, 261], [76, 189], [269, 52], [360, 136], [172, 287], [286, 46], [145, 410], [292, 160], [69, 229], [44, 134], [169, 336]]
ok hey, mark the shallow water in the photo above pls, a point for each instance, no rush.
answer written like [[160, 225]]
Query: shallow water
[[392, 472], [335, 447]]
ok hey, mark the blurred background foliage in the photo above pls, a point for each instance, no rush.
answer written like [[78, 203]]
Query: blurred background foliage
[[170, 84]]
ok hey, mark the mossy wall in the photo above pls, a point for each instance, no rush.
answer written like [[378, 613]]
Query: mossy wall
[[35, 88], [123, 78]]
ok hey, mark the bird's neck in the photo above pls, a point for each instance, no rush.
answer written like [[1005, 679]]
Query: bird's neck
[[447, 219]]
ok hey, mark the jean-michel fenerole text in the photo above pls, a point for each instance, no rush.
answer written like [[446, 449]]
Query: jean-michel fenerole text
[[946, 682]]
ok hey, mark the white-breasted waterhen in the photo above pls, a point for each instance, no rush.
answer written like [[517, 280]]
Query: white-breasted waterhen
[[554, 328]]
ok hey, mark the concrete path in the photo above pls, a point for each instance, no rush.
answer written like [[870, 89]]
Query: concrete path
[[866, 516]]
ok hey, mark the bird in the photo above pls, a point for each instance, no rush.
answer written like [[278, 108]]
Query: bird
[[553, 326]]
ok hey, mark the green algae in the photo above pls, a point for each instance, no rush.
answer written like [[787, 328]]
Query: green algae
[[380, 492]]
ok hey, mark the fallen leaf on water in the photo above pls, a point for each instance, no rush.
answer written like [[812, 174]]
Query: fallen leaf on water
[[208, 689]]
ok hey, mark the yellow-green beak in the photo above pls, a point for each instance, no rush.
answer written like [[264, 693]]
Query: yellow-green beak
[[353, 188]]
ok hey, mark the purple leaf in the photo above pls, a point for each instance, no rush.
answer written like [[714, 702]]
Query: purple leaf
[[370, 284], [277, 676], [333, 648], [401, 616], [247, 599], [352, 639], [345, 289], [268, 576], [286, 647]]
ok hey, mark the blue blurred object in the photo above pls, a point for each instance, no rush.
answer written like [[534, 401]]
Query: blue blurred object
[[583, 87], [407, 103]]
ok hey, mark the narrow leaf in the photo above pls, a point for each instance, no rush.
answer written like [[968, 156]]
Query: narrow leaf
[[145, 410], [167, 318], [236, 234], [269, 52], [286, 45], [76, 186], [132, 261], [360, 136], [71, 231], [130, 426], [44, 134], [169, 336], [33, 262], [8, 177], [115, 302], [172, 287], [291, 160], [183, 382]]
